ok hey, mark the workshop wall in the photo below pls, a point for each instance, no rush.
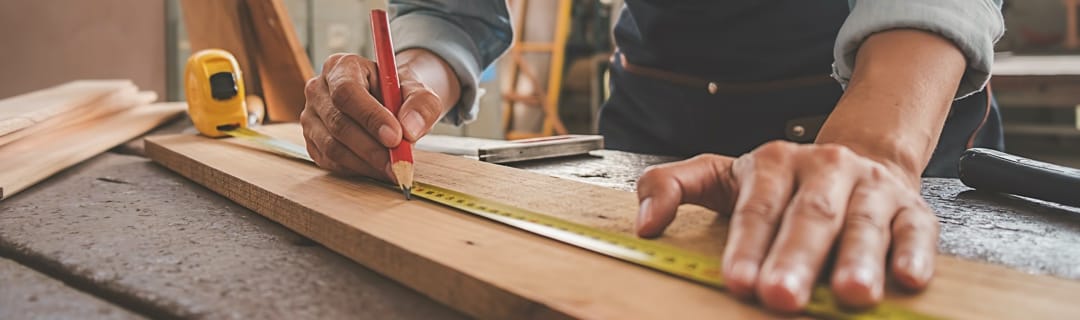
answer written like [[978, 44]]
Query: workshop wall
[[46, 43]]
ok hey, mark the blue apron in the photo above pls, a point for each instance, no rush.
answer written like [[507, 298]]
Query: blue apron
[[736, 44]]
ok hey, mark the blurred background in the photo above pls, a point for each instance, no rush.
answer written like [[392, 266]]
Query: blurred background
[[1037, 77]]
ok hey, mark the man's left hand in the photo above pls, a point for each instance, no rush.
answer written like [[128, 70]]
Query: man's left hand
[[790, 206]]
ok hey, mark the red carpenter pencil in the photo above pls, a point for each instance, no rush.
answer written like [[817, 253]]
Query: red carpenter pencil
[[401, 156]]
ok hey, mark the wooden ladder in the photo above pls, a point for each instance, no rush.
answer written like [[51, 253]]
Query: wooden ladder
[[534, 94]]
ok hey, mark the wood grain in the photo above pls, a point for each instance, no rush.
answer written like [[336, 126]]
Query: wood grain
[[492, 271], [223, 24], [34, 158], [283, 64], [115, 102], [22, 111]]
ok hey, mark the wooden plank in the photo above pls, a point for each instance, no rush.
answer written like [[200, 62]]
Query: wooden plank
[[491, 271], [115, 102], [1006, 65], [32, 159], [223, 24], [284, 67], [22, 111]]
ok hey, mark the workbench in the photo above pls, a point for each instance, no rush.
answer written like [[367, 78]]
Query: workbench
[[121, 237]]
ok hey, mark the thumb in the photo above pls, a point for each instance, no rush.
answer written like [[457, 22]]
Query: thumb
[[704, 180], [420, 109]]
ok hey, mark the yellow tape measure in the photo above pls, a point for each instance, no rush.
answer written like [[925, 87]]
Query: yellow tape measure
[[271, 144], [648, 253]]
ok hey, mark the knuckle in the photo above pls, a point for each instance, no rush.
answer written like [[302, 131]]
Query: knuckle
[[763, 211], [367, 64], [324, 143], [877, 173], [338, 55], [350, 58], [834, 153], [305, 115], [706, 158], [337, 124], [331, 61], [775, 148], [865, 220], [817, 207], [307, 121], [311, 87], [343, 95], [651, 173]]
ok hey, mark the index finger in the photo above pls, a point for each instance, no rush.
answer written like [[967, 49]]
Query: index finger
[[351, 80]]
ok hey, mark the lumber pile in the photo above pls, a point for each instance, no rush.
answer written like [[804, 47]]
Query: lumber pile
[[46, 131], [491, 271], [261, 36]]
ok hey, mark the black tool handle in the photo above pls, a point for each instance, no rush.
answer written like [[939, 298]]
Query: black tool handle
[[996, 171]]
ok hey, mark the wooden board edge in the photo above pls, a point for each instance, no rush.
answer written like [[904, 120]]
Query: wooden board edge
[[1004, 290], [432, 289], [166, 112]]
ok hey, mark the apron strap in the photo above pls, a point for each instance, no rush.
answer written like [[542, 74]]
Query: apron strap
[[714, 87]]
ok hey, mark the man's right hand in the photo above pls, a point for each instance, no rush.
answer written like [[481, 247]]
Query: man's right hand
[[348, 130]]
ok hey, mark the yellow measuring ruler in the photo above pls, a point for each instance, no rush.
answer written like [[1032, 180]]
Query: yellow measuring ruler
[[271, 144], [655, 255]]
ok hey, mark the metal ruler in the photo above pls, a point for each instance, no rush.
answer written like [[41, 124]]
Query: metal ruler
[[655, 255]]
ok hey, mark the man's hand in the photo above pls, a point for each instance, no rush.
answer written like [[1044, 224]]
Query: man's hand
[[790, 206], [348, 130]]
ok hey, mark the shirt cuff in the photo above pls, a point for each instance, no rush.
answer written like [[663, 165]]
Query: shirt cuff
[[974, 26], [453, 45]]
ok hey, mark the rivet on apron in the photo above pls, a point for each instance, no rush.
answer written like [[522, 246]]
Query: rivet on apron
[[798, 131], [713, 88]]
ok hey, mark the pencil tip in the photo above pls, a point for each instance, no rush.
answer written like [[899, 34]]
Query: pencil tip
[[407, 191]]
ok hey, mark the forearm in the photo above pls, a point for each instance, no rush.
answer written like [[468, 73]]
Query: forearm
[[434, 72], [893, 110]]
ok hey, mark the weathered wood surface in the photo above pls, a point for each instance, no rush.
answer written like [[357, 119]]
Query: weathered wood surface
[[479, 267], [32, 159], [26, 110]]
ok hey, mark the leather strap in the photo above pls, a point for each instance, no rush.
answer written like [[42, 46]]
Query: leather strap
[[714, 87]]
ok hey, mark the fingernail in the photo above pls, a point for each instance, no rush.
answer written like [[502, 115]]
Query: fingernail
[[792, 283], [642, 214], [865, 278], [862, 276], [744, 271], [920, 268], [387, 136], [414, 124], [914, 266]]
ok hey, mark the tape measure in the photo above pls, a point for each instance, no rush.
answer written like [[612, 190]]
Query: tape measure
[[652, 254], [217, 105]]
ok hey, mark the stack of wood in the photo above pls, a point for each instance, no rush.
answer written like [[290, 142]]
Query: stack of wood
[[46, 131], [261, 36]]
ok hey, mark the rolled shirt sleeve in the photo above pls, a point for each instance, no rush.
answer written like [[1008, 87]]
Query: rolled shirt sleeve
[[468, 35], [973, 25]]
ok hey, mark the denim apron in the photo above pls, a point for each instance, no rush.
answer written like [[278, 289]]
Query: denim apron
[[700, 76]]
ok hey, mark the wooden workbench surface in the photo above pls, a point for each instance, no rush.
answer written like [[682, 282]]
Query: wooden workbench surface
[[142, 238]]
